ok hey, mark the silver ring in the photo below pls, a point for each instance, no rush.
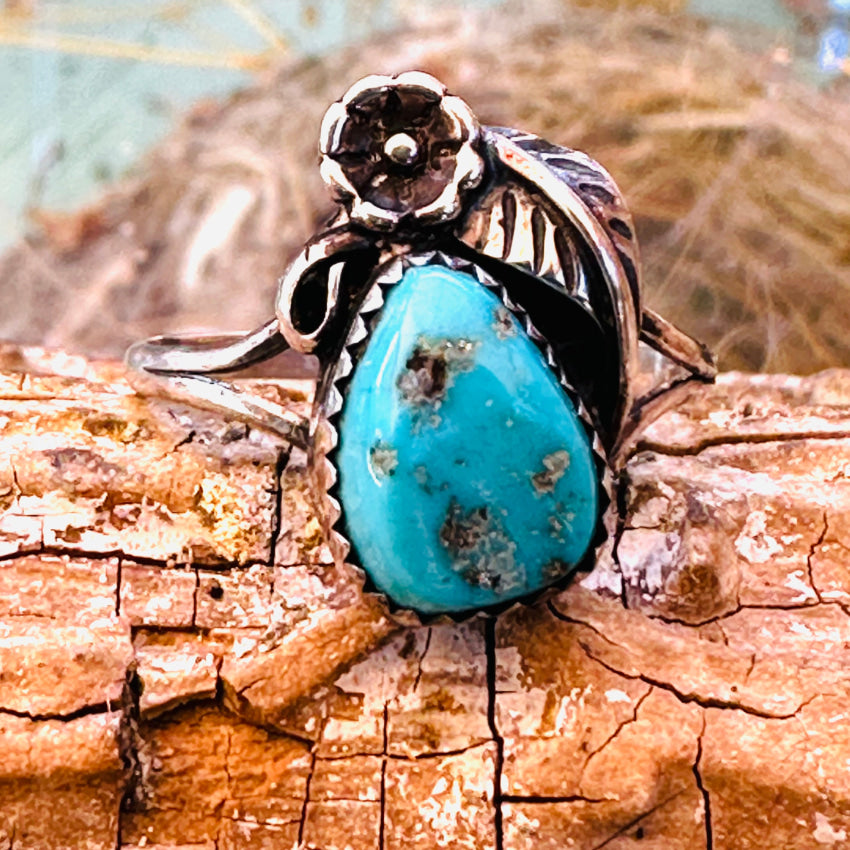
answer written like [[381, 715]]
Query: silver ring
[[475, 307]]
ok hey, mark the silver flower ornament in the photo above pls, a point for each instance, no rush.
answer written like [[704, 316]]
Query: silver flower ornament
[[398, 149]]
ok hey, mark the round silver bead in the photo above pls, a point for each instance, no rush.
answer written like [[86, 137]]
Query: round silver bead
[[402, 149]]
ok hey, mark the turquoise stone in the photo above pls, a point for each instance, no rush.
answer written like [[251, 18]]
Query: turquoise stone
[[465, 475]]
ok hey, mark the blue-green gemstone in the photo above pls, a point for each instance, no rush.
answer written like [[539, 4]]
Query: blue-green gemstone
[[466, 477]]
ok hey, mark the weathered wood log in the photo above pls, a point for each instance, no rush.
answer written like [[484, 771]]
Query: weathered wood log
[[182, 665]]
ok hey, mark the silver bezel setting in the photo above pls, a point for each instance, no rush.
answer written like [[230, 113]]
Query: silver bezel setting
[[331, 401]]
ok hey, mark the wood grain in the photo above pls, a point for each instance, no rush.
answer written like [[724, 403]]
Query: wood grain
[[182, 666]]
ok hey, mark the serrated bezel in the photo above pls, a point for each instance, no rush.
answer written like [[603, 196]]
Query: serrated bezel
[[332, 400]]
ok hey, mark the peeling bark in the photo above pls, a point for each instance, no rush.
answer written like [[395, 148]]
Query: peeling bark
[[182, 665]]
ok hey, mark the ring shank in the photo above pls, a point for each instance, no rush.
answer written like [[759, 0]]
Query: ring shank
[[181, 368], [681, 348]]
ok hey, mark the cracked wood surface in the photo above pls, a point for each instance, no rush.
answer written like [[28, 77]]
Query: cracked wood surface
[[183, 666]]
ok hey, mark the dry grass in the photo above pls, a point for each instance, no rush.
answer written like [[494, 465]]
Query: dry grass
[[739, 175]]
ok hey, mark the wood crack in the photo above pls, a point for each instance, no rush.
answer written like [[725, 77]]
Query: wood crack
[[702, 701], [706, 799], [697, 448], [726, 615], [490, 646], [302, 823], [66, 717], [812, 552], [636, 821], [382, 826], [614, 735], [277, 518], [541, 799], [421, 659]]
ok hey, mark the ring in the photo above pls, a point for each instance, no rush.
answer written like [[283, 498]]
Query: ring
[[476, 312]]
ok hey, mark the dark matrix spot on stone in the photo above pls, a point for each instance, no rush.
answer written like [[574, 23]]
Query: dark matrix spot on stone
[[463, 531], [425, 379], [555, 569], [431, 367], [554, 467], [481, 552], [503, 323], [383, 459]]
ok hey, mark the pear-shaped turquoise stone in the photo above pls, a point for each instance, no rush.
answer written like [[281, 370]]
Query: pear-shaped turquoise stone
[[465, 475]]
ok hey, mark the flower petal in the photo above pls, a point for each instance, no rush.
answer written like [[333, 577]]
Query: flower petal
[[421, 82], [465, 121], [335, 177], [372, 216], [368, 86], [331, 129]]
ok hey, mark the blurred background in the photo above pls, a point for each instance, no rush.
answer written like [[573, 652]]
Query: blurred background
[[158, 164]]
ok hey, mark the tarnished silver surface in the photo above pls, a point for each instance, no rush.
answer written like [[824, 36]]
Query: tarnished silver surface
[[416, 175]]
